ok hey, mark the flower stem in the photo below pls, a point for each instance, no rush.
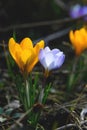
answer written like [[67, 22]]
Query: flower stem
[[27, 93]]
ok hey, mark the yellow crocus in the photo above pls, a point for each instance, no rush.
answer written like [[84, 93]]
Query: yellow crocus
[[79, 40], [25, 54]]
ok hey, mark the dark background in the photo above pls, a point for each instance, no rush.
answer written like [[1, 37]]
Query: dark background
[[16, 12]]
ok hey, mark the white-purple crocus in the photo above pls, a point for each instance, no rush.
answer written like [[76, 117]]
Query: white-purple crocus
[[51, 59]]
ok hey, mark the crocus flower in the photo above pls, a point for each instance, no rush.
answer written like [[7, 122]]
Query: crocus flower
[[24, 54], [78, 11], [51, 59], [79, 40], [75, 11]]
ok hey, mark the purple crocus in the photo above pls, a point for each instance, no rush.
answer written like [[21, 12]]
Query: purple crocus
[[51, 59], [78, 11]]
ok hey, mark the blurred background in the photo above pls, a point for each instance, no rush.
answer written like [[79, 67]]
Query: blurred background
[[34, 18]]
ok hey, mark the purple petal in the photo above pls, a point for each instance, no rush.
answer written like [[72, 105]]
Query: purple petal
[[59, 60], [51, 66], [55, 51], [49, 59], [84, 10], [41, 57], [47, 49], [41, 54], [43, 62], [46, 59], [75, 11]]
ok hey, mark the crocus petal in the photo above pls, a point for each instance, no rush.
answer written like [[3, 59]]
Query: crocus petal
[[41, 55], [83, 34], [43, 62], [49, 59], [12, 45], [25, 55], [75, 11], [59, 60], [55, 51], [31, 62], [15, 50], [39, 46], [71, 35], [46, 59], [84, 10], [47, 49], [26, 43], [51, 66], [34, 57], [75, 40]]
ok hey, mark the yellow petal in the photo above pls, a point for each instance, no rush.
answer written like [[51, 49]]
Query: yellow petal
[[71, 35], [26, 43], [15, 50], [73, 40], [38, 46], [31, 63], [83, 33], [25, 55], [34, 58], [11, 46], [78, 39]]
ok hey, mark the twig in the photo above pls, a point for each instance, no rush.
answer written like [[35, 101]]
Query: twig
[[62, 5], [66, 126], [37, 24], [50, 37], [32, 25], [20, 119], [71, 125], [55, 35]]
